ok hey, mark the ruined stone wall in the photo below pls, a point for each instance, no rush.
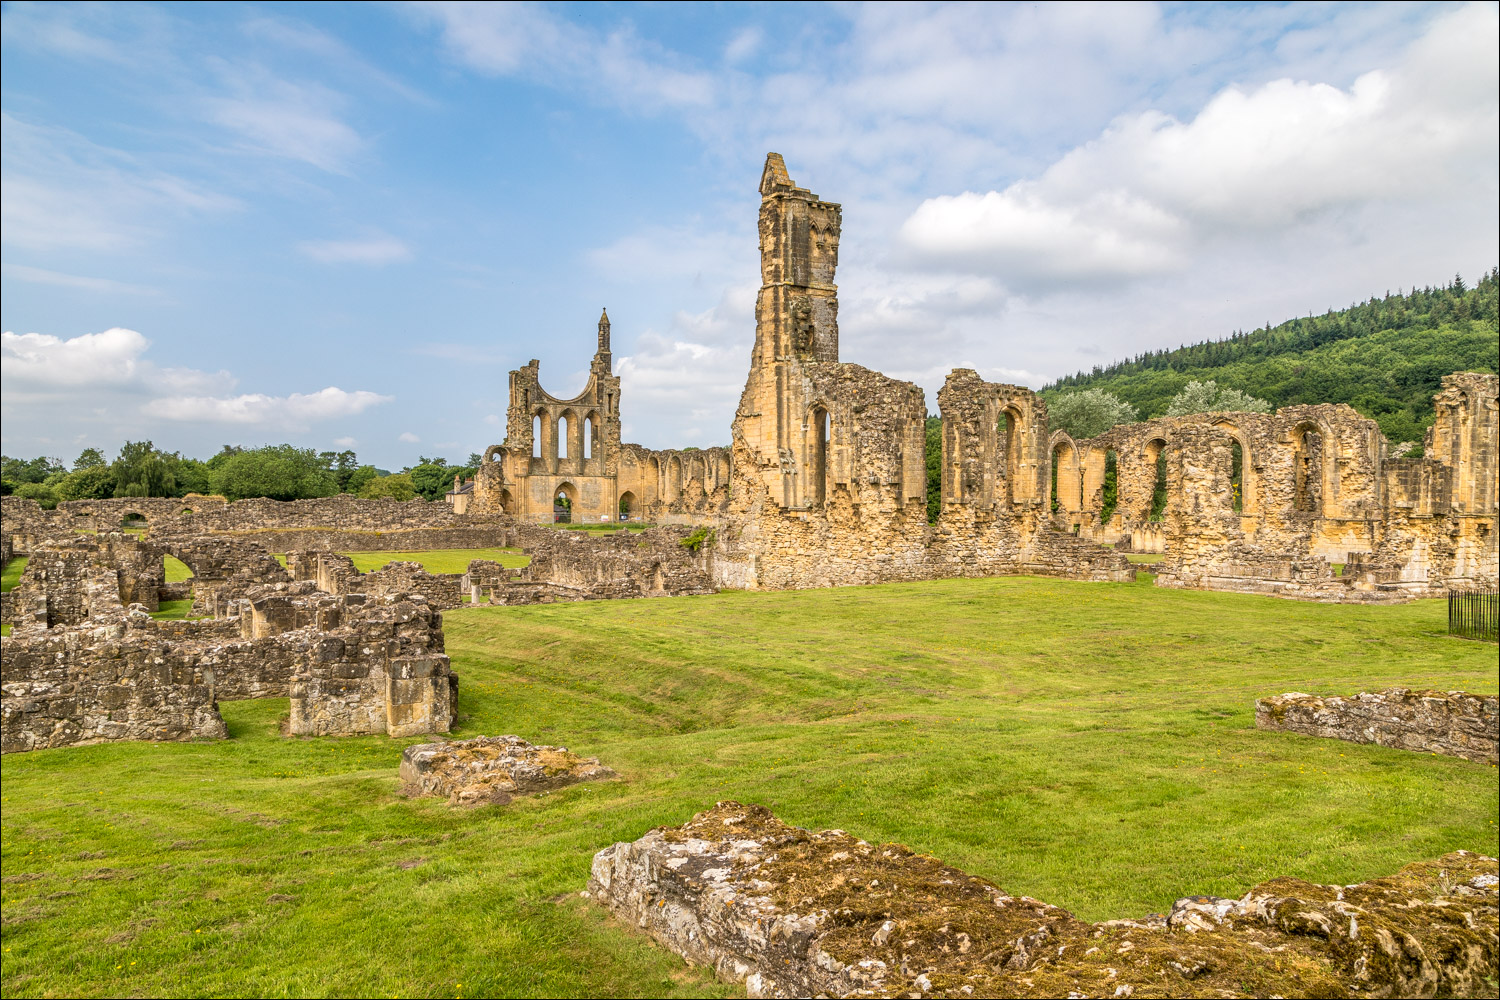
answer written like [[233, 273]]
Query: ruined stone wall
[[556, 447], [350, 665], [102, 681], [1454, 723], [829, 460], [76, 577], [687, 486], [582, 566], [1315, 488], [335, 574], [795, 913]]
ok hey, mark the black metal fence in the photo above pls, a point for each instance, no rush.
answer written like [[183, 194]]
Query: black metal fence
[[1474, 614]]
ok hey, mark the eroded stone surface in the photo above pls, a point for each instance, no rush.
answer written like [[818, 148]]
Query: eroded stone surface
[[493, 769], [1455, 723], [796, 913]]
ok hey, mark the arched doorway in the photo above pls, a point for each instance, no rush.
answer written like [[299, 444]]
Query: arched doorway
[[628, 505], [562, 504], [1156, 457]]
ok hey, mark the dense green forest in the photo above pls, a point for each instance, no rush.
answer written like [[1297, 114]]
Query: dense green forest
[[1385, 357], [281, 472]]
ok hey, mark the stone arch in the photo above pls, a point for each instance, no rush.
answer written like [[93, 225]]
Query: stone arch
[[492, 453], [564, 499], [657, 482], [723, 469], [1249, 481], [629, 507], [1314, 467], [507, 502], [1154, 453], [567, 433], [132, 519], [1010, 433], [1067, 473], [541, 432]]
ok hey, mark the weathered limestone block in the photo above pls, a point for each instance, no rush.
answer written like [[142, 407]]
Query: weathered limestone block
[[794, 913], [493, 769], [1455, 723]]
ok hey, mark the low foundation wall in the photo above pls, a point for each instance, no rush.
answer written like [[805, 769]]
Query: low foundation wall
[[792, 913], [350, 665], [1454, 723]]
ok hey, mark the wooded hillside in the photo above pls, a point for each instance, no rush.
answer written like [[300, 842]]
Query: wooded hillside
[[1385, 357]]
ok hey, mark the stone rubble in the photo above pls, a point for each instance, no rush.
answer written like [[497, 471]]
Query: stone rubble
[[493, 769], [793, 913]]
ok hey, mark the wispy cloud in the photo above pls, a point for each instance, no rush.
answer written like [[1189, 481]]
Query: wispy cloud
[[617, 67], [63, 191]]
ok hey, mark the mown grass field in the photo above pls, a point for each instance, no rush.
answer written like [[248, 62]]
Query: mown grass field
[[1092, 745]]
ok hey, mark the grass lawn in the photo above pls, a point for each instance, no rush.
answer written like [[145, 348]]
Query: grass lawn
[[1092, 745], [11, 575]]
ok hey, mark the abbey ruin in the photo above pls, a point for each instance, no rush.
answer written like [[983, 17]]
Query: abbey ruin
[[825, 482], [824, 485]]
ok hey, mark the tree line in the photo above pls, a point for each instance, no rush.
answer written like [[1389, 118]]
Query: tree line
[[277, 472], [1385, 357]]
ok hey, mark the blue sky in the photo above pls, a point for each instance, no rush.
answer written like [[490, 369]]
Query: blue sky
[[342, 225]]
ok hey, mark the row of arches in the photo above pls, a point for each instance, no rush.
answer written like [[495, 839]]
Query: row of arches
[[569, 437], [1098, 482]]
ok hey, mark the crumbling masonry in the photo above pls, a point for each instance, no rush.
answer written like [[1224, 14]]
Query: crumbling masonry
[[825, 482]]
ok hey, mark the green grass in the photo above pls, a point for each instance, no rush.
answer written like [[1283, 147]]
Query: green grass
[[1092, 745], [177, 570], [169, 610], [11, 575]]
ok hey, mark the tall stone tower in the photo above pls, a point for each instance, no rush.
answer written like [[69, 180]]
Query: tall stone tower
[[783, 430], [797, 314]]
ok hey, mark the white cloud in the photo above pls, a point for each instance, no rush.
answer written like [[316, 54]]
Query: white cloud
[[295, 410], [345, 442], [375, 250], [1144, 195], [408, 437], [693, 371], [103, 286], [109, 358]]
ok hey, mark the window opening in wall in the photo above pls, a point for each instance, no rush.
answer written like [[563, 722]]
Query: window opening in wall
[[536, 437], [1159, 487], [820, 457], [1236, 476], [1012, 458], [588, 437], [1055, 505], [562, 437], [1307, 496], [1109, 497]]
